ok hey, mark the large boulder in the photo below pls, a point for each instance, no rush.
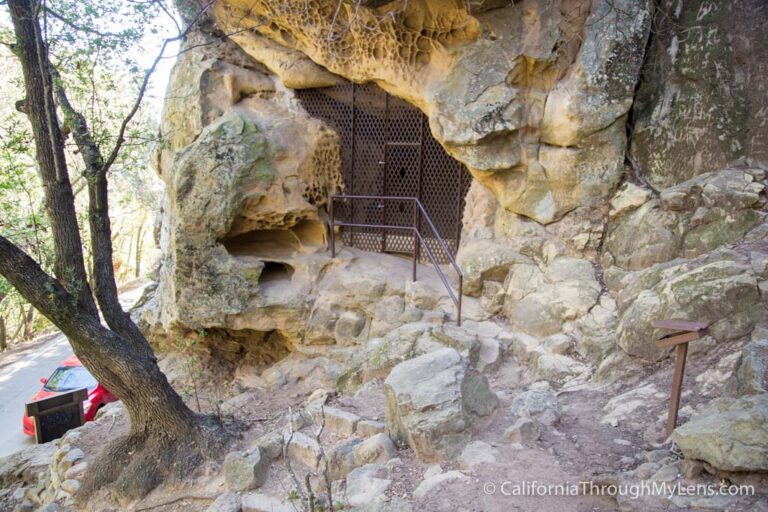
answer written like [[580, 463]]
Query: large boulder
[[538, 403], [719, 289], [540, 299], [730, 434], [367, 485], [247, 174], [485, 260], [433, 401], [244, 471], [378, 356]]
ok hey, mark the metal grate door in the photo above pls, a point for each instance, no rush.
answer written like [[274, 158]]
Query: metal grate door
[[387, 149]]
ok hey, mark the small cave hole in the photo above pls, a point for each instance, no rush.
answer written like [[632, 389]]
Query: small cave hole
[[275, 271], [305, 236]]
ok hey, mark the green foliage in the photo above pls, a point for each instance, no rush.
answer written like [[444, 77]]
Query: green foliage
[[22, 217], [101, 50]]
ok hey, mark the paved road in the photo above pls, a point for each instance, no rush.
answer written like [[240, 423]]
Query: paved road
[[20, 371]]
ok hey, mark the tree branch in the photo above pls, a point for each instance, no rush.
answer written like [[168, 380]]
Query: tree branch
[[77, 27], [143, 89], [69, 263]]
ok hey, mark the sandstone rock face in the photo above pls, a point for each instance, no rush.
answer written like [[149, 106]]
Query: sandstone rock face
[[532, 97], [730, 434], [433, 401], [719, 289], [539, 300], [376, 358], [686, 122], [576, 250], [689, 219], [247, 175], [484, 261]]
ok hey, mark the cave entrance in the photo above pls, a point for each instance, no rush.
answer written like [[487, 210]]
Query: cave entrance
[[387, 149]]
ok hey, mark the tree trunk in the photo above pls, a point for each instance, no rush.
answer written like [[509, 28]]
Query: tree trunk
[[105, 286], [69, 266], [165, 436], [160, 421], [121, 366], [3, 338]]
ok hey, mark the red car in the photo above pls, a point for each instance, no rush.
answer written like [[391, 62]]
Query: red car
[[71, 375]]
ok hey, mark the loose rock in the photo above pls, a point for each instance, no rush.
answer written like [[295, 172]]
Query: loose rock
[[730, 434], [432, 402], [245, 471]]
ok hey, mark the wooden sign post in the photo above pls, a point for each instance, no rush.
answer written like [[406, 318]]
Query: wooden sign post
[[56, 415], [684, 332]]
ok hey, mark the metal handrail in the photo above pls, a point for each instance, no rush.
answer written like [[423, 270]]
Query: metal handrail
[[419, 212]]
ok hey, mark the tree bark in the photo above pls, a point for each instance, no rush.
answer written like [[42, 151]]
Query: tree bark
[[105, 286], [153, 405], [3, 336], [69, 266]]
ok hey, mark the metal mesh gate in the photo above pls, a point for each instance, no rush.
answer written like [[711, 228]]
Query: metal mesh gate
[[387, 149]]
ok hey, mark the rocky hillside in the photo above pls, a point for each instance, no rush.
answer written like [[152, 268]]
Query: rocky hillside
[[619, 154]]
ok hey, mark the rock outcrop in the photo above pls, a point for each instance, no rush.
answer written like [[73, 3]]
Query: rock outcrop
[[559, 236], [698, 106], [433, 402], [719, 289], [730, 434], [532, 97], [575, 238]]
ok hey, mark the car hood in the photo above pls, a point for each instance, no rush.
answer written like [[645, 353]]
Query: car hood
[[43, 393]]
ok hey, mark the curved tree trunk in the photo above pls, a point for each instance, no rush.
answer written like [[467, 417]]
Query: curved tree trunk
[[165, 434]]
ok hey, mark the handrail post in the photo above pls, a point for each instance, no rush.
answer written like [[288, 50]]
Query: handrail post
[[458, 306], [416, 245], [333, 228], [418, 213]]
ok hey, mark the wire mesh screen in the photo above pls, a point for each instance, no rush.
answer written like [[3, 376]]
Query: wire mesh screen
[[387, 149]]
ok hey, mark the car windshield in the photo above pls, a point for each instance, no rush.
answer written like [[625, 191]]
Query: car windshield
[[67, 378]]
